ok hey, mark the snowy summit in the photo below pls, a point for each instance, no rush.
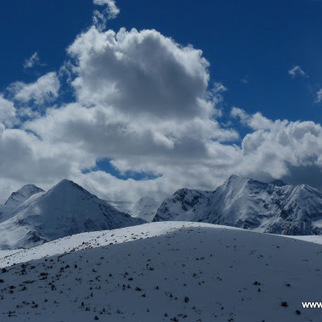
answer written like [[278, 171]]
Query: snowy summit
[[64, 210]]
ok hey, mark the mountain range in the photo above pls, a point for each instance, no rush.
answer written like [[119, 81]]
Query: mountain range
[[32, 216], [273, 207]]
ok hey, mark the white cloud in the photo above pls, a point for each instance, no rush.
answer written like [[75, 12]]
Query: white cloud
[[183, 154], [271, 151], [73, 137], [111, 8], [219, 88], [100, 17], [297, 71], [140, 73], [45, 89], [319, 96], [245, 80], [256, 121], [32, 61], [7, 112], [104, 134], [164, 125]]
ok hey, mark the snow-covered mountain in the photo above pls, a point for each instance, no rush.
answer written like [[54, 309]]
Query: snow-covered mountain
[[16, 199], [242, 202], [122, 205], [21, 195], [145, 208], [167, 271], [64, 210]]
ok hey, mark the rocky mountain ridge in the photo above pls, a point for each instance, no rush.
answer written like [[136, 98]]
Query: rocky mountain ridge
[[273, 207]]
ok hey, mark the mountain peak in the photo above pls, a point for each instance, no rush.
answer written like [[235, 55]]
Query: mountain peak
[[233, 177], [278, 183], [21, 195], [66, 185], [145, 208]]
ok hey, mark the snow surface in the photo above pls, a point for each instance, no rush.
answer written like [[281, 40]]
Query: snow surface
[[168, 271]]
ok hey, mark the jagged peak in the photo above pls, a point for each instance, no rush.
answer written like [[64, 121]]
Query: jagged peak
[[278, 183], [233, 177], [308, 188], [235, 180], [181, 193], [30, 186], [22, 194]]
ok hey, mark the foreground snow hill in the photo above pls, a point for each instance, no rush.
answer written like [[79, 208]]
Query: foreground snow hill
[[64, 210], [169, 271], [242, 202]]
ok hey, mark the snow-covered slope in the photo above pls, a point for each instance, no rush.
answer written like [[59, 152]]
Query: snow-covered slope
[[145, 208], [169, 271], [16, 199], [21, 195], [242, 202], [64, 210], [121, 205]]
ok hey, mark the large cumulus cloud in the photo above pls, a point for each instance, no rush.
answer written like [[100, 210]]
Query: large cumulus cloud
[[140, 73], [142, 101]]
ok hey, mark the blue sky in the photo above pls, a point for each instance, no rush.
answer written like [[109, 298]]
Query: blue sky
[[259, 73], [255, 41]]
